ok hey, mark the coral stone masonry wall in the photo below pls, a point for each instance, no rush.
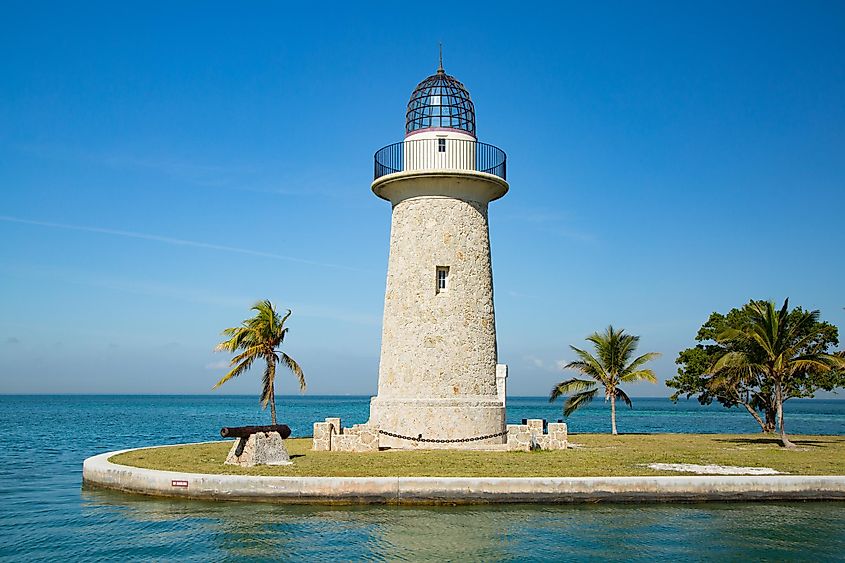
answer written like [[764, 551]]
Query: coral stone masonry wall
[[330, 436], [438, 377], [438, 344], [525, 437]]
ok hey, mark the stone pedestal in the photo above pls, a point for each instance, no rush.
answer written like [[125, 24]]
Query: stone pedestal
[[260, 449], [455, 419]]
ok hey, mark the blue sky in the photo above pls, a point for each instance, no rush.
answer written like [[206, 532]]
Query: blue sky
[[163, 166]]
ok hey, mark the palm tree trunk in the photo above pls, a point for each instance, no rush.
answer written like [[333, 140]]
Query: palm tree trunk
[[613, 414], [273, 393], [779, 399]]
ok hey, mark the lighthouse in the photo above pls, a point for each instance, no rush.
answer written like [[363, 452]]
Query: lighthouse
[[439, 383]]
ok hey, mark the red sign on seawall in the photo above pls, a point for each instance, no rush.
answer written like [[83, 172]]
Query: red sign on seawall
[[178, 483]]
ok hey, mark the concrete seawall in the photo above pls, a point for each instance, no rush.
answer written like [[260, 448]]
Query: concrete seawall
[[98, 471]]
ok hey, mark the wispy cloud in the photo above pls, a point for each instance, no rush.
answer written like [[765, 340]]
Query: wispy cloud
[[216, 366], [174, 241], [534, 361], [544, 365], [12, 340]]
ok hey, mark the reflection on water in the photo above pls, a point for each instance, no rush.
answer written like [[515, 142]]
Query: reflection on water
[[153, 528]]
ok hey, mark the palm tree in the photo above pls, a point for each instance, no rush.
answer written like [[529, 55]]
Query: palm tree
[[611, 368], [782, 338], [260, 337]]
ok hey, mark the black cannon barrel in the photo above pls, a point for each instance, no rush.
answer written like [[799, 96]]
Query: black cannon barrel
[[246, 431]]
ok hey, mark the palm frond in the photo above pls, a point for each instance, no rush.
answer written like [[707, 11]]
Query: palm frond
[[282, 334], [722, 384], [251, 352], [645, 358], [639, 375], [585, 368], [230, 344], [570, 386], [578, 400], [729, 360], [295, 369], [796, 342], [620, 394], [815, 362], [235, 371], [730, 334], [588, 365]]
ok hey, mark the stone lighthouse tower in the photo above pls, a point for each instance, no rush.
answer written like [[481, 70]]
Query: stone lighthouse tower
[[439, 383]]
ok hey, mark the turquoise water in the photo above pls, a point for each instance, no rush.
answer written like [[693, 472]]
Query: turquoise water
[[45, 515]]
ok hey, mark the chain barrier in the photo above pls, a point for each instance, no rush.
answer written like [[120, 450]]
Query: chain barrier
[[441, 441]]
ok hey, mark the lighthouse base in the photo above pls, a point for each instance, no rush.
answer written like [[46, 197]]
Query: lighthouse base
[[447, 423]]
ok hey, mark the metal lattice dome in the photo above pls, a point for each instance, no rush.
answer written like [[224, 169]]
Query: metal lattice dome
[[440, 102]]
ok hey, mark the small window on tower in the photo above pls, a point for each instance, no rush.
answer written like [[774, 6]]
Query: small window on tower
[[442, 278], [441, 145]]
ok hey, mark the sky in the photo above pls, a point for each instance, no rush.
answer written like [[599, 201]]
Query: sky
[[165, 165]]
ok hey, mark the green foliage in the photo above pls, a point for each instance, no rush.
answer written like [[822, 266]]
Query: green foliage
[[737, 352], [611, 366], [259, 338]]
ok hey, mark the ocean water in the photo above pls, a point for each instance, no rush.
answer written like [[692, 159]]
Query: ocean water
[[46, 516]]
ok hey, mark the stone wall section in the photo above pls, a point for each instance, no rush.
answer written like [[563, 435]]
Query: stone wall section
[[322, 441], [525, 437], [556, 438], [331, 436]]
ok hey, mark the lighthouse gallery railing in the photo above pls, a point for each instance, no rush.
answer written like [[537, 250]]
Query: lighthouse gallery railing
[[440, 154]]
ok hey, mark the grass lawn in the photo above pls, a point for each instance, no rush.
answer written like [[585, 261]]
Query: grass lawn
[[598, 455]]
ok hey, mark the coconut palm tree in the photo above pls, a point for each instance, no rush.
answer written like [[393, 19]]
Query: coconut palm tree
[[260, 337], [783, 339], [609, 368]]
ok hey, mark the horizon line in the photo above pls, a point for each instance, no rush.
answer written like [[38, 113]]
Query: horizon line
[[350, 395]]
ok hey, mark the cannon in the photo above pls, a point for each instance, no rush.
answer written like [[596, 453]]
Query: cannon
[[244, 432]]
